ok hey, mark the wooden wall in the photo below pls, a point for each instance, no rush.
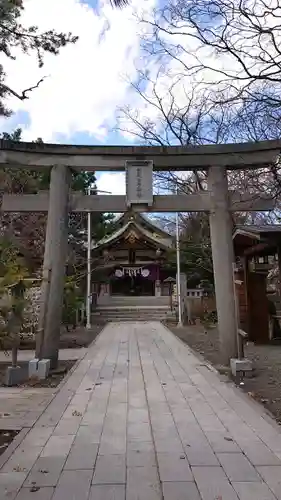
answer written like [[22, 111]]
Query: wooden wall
[[253, 306]]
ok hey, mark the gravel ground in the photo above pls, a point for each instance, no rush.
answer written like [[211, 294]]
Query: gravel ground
[[79, 337], [264, 385]]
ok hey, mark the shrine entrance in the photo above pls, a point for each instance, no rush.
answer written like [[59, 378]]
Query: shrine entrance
[[132, 286], [133, 260], [139, 162]]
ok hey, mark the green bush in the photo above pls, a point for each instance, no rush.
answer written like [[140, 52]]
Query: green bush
[[72, 301]]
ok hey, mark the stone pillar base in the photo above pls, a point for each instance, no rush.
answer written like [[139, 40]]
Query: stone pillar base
[[14, 376], [39, 368], [240, 365]]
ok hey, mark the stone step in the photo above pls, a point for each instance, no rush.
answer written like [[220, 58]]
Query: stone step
[[131, 308], [120, 314], [131, 311], [142, 301], [133, 320], [131, 314]]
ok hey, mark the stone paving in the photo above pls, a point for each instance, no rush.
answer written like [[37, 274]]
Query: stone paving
[[20, 407], [141, 418]]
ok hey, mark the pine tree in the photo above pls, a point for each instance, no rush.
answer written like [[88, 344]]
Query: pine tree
[[31, 41]]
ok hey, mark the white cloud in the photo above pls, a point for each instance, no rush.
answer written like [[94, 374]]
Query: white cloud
[[113, 182], [84, 84]]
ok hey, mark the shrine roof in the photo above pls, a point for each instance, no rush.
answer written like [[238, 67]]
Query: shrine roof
[[142, 219], [159, 240], [257, 231], [259, 239]]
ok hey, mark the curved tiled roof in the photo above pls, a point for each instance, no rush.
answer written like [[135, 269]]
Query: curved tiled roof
[[153, 237]]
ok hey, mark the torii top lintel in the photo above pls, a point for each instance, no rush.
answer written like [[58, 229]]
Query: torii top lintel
[[98, 158]]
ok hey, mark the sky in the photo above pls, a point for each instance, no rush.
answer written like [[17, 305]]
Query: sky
[[86, 83]]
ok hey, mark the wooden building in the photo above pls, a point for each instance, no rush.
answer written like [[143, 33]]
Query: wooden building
[[133, 259], [256, 248]]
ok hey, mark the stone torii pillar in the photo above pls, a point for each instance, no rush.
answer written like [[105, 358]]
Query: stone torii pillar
[[223, 259], [54, 265]]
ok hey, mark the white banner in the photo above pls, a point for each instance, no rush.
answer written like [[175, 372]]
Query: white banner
[[132, 271]]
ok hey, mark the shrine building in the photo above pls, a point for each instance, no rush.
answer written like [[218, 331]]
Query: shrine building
[[133, 260]]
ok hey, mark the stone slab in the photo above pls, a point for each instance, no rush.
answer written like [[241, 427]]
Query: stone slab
[[40, 494], [22, 459], [213, 483], [180, 491], [10, 484], [272, 477], [143, 484], [237, 467], [141, 399], [38, 436], [259, 454], [58, 446], [45, 472], [200, 456], [82, 457], [174, 467], [140, 446], [138, 458], [253, 491], [110, 469], [74, 486], [222, 442], [107, 492]]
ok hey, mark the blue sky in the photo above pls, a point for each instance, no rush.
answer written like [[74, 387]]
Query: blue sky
[[87, 83]]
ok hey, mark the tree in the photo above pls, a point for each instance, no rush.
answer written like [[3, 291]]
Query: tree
[[31, 41], [28, 230], [173, 109], [217, 81], [231, 45], [12, 299]]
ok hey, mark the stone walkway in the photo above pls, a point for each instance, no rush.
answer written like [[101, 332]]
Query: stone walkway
[[141, 418], [20, 407]]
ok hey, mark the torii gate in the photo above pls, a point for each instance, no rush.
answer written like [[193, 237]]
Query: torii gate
[[217, 200]]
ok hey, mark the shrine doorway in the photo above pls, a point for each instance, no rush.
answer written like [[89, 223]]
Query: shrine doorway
[[133, 286]]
